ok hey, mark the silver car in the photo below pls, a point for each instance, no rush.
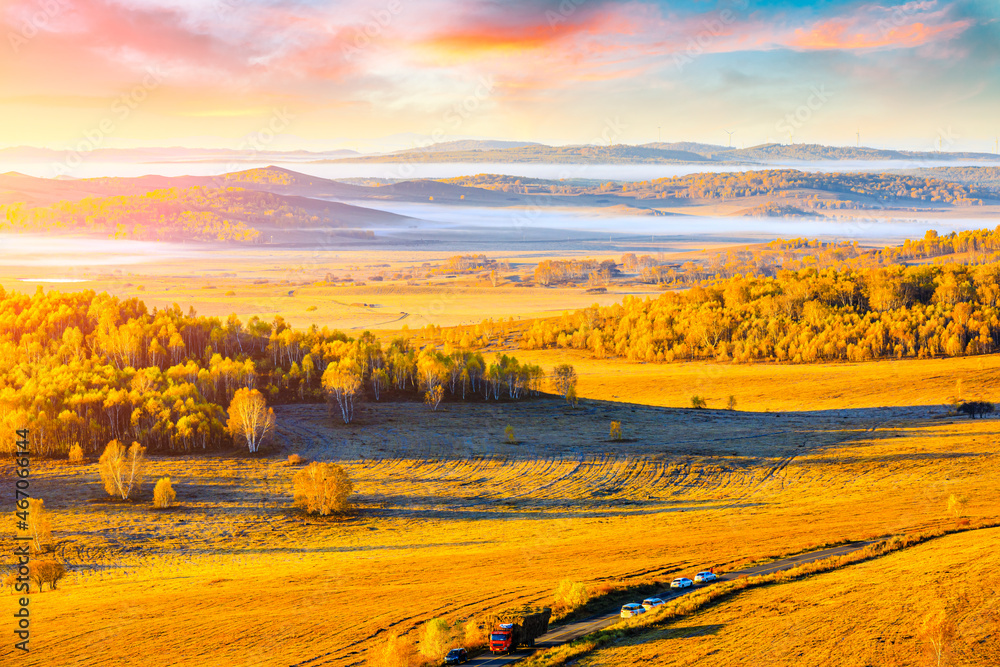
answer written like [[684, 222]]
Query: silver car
[[632, 609]]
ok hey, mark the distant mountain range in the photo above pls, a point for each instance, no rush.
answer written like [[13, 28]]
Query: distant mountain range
[[507, 152], [663, 153], [472, 145]]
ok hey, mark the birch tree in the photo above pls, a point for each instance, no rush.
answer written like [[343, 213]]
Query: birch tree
[[250, 418], [342, 384], [122, 470]]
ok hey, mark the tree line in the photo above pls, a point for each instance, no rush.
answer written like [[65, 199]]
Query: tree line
[[85, 368], [798, 316]]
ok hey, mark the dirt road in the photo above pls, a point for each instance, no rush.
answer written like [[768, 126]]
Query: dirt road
[[565, 633]]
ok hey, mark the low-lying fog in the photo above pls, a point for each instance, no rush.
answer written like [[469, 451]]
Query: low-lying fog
[[442, 217], [69, 251]]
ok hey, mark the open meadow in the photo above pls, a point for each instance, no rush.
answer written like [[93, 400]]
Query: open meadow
[[453, 521]]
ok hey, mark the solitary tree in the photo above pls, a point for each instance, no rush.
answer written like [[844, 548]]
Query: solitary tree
[[343, 385], [937, 630], [121, 469], [564, 381], [616, 431], [322, 488], [39, 530], [250, 418], [956, 504]]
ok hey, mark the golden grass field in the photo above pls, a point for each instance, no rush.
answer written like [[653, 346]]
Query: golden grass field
[[871, 613], [782, 387], [453, 522], [203, 277]]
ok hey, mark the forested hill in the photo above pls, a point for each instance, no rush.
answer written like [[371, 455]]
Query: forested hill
[[191, 214]]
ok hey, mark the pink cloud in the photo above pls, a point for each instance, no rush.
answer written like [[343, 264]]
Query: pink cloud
[[851, 34]]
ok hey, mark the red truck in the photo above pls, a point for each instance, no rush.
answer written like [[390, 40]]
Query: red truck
[[514, 628]]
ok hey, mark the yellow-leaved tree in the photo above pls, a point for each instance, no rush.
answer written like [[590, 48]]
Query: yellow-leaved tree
[[250, 419], [121, 469]]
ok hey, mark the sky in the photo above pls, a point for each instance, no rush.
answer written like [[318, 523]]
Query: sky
[[390, 74]]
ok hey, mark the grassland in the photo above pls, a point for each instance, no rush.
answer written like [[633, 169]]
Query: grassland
[[452, 522], [782, 387]]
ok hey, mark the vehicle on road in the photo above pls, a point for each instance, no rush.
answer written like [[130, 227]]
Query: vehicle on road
[[681, 582], [705, 577], [456, 656], [632, 609], [517, 627], [650, 604]]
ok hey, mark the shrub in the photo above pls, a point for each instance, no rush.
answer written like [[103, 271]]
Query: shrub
[[510, 434], [322, 488], [76, 453], [163, 493], [474, 635], [571, 595], [698, 402], [435, 638], [295, 459], [395, 651], [616, 431]]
